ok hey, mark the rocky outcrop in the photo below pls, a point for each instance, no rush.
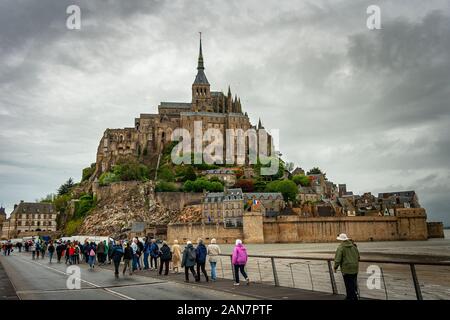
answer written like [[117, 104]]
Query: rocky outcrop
[[122, 203]]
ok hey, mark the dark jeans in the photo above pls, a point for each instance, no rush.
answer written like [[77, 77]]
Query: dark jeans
[[201, 266], [351, 286], [164, 263], [155, 259], [58, 256], [237, 268], [186, 272], [116, 266]]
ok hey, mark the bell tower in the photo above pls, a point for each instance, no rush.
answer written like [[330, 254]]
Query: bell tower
[[201, 95]]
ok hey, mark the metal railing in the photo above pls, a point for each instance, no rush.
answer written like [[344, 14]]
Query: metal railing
[[395, 279]]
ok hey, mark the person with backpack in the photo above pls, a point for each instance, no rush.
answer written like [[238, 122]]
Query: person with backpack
[[347, 257], [200, 259], [86, 249], [105, 254], [116, 256], [154, 254], [239, 260], [51, 250], [188, 261], [127, 258], [213, 253], [166, 256], [92, 253]]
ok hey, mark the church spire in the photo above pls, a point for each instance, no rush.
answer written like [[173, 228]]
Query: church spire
[[200, 56], [201, 77]]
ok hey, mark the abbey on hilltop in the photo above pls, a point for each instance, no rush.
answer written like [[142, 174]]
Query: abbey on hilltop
[[151, 132]]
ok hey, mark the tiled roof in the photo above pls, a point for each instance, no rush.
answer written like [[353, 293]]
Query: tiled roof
[[262, 195]]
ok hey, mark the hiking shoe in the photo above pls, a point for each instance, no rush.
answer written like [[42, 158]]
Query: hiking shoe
[[248, 281], [236, 283]]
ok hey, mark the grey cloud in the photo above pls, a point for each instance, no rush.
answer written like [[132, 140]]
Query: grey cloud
[[370, 107]]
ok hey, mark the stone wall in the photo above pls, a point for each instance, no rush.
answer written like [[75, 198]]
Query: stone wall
[[285, 229], [112, 189], [435, 230], [178, 200], [193, 231], [325, 229]]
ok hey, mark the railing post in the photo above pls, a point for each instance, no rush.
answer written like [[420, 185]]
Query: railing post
[[310, 277], [275, 275], [416, 282], [232, 268], [259, 270], [333, 281], [221, 266], [292, 275]]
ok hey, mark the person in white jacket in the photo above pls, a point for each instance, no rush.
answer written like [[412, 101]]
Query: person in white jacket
[[213, 253]]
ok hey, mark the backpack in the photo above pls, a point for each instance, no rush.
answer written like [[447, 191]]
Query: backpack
[[119, 251], [92, 253], [191, 254]]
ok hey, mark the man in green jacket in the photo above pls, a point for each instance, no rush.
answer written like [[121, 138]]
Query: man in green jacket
[[347, 257]]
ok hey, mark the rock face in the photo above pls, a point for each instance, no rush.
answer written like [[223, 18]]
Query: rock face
[[122, 203]]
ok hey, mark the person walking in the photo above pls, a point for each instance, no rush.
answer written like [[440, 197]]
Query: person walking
[[166, 256], [147, 246], [92, 253], [176, 256], [59, 251], [19, 246], [239, 260], [127, 258], [33, 250], [347, 257], [110, 247], [43, 249], [116, 256], [72, 253], [188, 261], [105, 254], [135, 248], [200, 259], [66, 252], [100, 252], [51, 250], [154, 254], [213, 253], [38, 249], [86, 249], [140, 252]]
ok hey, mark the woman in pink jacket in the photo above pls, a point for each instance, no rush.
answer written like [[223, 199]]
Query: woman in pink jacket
[[239, 260]]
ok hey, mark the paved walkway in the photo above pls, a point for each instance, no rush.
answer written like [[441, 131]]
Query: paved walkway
[[254, 290], [7, 291]]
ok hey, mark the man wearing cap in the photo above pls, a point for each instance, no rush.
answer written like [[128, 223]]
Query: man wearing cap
[[347, 257]]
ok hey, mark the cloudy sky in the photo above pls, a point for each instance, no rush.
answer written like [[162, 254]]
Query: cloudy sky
[[369, 107]]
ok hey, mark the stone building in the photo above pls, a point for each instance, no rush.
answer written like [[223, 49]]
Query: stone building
[[225, 175], [32, 217], [307, 194], [151, 132], [272, 202], [400, 199], [2, 216], [223, 207]]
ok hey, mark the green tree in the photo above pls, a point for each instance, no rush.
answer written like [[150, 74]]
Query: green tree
[[66, 187], [107, 178], [287, 188], [315, 170], [87, 172], [163, 186], [302, 180]]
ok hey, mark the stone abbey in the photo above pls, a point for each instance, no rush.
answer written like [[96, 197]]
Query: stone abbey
[[152, 132]]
